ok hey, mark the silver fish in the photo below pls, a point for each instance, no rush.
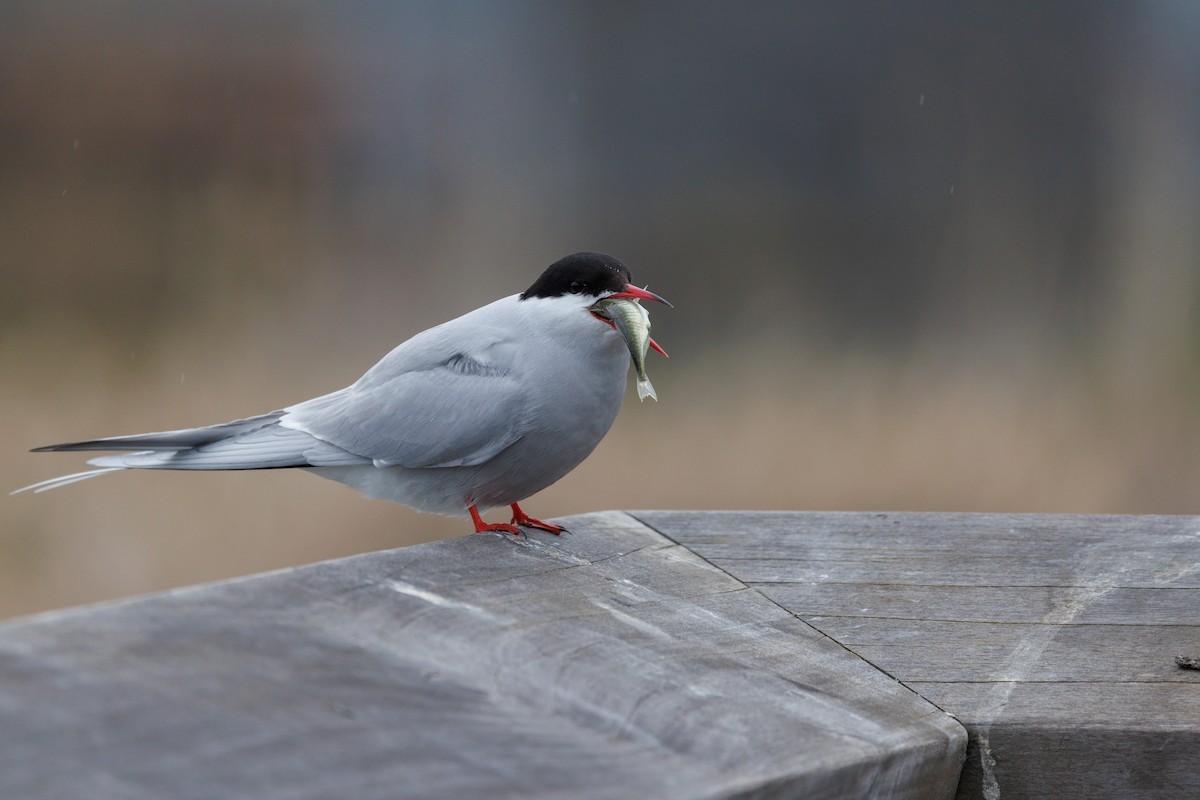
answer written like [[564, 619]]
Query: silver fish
[[633, 323]]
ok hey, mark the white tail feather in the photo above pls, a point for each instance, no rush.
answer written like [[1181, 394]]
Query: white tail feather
[[65, 480]]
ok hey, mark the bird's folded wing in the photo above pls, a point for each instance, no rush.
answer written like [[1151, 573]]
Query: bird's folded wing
[[171, 440], [268, 447], [459, 413]]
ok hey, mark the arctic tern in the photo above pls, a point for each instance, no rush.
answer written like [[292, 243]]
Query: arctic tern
[[476, 413]]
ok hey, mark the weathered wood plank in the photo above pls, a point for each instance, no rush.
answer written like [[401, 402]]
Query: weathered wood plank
[[608, 663], [1118, 606], [1052, 638], [1141, 741], [980, 651], [1135, 705], [928, 549]]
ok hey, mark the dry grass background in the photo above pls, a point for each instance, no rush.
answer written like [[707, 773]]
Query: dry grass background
[[209, 214]]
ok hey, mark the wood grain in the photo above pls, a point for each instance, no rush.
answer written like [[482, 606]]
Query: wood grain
[[609, 663], [1052, 638]]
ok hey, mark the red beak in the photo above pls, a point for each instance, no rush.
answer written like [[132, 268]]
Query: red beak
[[634, 293]]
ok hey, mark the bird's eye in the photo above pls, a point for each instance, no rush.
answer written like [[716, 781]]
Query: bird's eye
[[576, 286]]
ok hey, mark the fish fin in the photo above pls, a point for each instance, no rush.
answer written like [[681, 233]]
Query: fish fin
[[646, 389]]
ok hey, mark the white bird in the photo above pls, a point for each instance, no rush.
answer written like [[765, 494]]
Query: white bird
[[476, 413]]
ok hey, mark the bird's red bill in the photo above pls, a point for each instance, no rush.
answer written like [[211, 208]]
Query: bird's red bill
[[634, 293]]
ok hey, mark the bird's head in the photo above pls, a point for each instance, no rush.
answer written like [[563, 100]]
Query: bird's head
[[589, 278]]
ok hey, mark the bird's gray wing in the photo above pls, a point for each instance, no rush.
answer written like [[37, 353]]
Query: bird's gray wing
[[433, 402], [447, 397], [170, 440], [270, 447], [254, 443]]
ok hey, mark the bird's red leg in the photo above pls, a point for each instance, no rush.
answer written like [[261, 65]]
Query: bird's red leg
[[483, 527], [521, 518]]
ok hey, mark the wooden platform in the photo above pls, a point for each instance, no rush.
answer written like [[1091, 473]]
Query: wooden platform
[[1052, 638], [647, 654]]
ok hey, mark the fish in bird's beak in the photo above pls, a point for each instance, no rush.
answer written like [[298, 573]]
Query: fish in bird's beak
[[623, 312], [632, 292]]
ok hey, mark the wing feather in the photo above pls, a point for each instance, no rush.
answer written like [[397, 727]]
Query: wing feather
[[460, 411], [451, 396], [265, 448], [169, 440]]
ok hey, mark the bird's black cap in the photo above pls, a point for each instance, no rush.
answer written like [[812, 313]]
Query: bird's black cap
[[580, 273]]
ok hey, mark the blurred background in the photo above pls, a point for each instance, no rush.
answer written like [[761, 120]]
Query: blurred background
[[923, 255]]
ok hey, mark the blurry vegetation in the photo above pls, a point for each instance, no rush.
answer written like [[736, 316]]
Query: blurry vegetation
[[923, 256]]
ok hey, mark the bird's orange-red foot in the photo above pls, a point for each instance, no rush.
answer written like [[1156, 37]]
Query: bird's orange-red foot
[[521, 518], [499, 527]]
